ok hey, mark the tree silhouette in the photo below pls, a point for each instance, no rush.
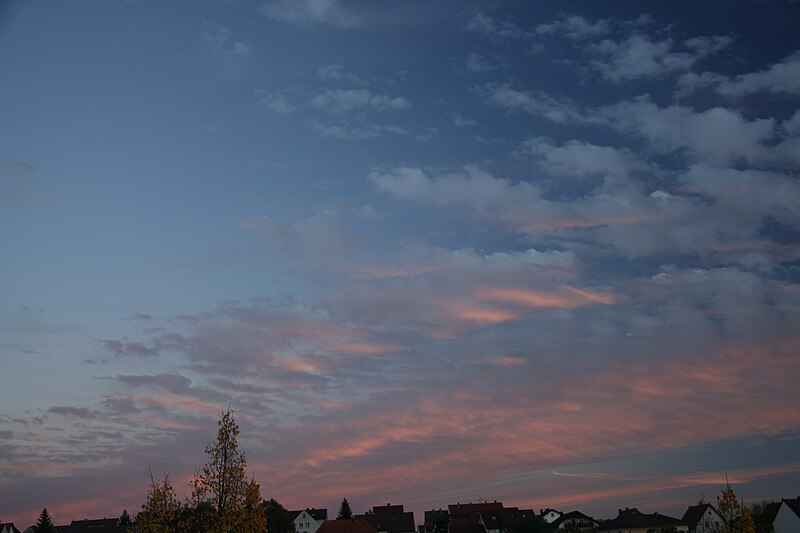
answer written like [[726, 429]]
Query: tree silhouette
[[345, 513], [278, 518], [44, 524]]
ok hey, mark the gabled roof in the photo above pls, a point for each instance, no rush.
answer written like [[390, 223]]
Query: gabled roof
[[8, 527], [794, 505], [572, 515], [353, 525], [467, 508], [99, 525], [388, 509], [317, 514], [635, 518], [391, 519], [694, 513]]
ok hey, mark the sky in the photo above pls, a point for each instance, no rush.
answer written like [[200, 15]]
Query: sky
[[543, 252]]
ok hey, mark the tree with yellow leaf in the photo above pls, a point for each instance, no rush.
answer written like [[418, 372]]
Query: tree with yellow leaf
[[222, 485], [161, 511], [736, 518]]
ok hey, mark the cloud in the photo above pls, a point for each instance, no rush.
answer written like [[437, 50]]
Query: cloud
[[350, 132], [462, 122], [118, 348], [345, 101], [487, 25], [540, 104], [276, 102], [708, 211], [173, 382], [79, 412], [336, 72], [578, 159], [474, 187], [716, 134], [219, 37], [574, 27], [18, 169], [782, 78], [323, 232], [639, 56], [310, 12], [478, 65]]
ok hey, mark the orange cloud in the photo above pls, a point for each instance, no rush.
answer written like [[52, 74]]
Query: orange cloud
[[364, 348], [565, 298]]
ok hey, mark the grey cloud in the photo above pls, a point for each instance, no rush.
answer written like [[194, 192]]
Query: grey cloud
[[474, 187], [172, 382], [349, 132], [782, 77], [18, 169], [639, 57], [344, 101], [310, 12], [118, 348], [580, 159], [712, 208], [323, 232], [120, 405], [717, 134], [277, 103], [792, 125], [336, 72], [477, 64], [221, 42], [462, 122], [80, 412], [539, 104], [574, 27], [487, 25]]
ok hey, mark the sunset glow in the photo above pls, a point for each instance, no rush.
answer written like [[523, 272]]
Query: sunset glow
[[539, 252]]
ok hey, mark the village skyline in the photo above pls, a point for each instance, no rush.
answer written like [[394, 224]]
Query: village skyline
[[540, 251]]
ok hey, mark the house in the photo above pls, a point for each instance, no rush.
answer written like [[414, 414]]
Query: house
[[353, 525], [576, 521], [702, 518], [635, 521], [390, 519], [788, 518], [308, 520], [8, 527], [503, 520], [98, 525], [549, 515], [436, 521]]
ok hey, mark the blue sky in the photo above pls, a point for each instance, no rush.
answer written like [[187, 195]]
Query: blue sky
[[543, 252]]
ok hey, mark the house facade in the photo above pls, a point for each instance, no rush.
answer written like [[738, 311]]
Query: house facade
[[308, 520], [550, 515], [702, 518], [788, 518], [575, 521]]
